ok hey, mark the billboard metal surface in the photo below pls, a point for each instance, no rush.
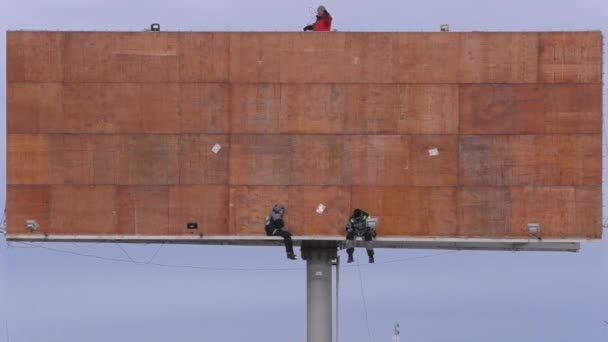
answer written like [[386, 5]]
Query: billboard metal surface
[[455, 140]]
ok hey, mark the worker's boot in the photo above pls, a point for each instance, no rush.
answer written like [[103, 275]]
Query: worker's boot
[[291, 256], [370, 254], [350, 255]]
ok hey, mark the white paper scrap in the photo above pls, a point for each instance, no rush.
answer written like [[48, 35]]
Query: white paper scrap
[[321, 208], [433, 152], [216, 148]]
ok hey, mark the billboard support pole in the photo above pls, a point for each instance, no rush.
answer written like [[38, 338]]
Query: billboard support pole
[[319, 257]]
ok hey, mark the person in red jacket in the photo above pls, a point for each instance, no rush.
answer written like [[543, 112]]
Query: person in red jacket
[[323, 22]]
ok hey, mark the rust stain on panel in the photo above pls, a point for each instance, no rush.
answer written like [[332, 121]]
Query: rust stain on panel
[[370, 58], [530, 108], [500, 212], [419, 160], [530, 160], [255, 108], [87, 55], [434, 160], [303, 203], [34, 56], [94, 107], [498, 57], [317, 160], [32, 107], [570, 57], [203, 107], [148, 159], [83, 209], [409, 211], [254, 57], [158, 110], [121, 57], [198, 164], [427, 58], [205, 204], [83, 159], [428, 109], [204, 56], [485, 211], [27, 159], [380, 160], [301, 53], [312, 108], [588, 208], [371, 108], [119, 108], [260, 159], [142, 210], [554, 208], [27, 202]]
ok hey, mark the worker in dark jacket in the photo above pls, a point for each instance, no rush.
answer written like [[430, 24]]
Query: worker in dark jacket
[[357, 225], [275, 226], [323, 22]]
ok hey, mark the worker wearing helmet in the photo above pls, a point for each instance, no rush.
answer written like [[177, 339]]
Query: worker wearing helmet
[[323, 22], [275, 226], [357, 226]]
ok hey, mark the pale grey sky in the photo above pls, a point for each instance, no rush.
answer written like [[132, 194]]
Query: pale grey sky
[[464, 296]]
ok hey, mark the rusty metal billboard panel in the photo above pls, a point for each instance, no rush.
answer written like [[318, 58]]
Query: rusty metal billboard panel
[[203, 57], [29, 159], [142, 210], [508, 209], [83, 159], [125, 57], [530, 160], [565, 57], [453, 140], [530, 108], [35, 56], [38, 105], [498, 58]]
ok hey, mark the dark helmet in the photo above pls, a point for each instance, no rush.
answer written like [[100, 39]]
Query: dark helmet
[[357, 214], [278, 208]]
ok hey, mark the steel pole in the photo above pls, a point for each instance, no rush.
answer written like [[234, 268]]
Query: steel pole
[[318, 292], [337, 299]]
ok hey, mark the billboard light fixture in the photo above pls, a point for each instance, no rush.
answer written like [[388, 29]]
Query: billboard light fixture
[[31, 225], [534, 230]]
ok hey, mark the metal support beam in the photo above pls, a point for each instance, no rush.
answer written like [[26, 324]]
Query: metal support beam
[[319, 258], [531, 244]]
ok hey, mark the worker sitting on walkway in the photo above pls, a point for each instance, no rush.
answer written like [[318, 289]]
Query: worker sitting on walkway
[[358, 225], [323, 22], [275, 226]]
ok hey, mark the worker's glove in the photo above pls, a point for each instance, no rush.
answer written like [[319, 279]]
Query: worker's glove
[[374, 233], [349, 230], [308, 28]]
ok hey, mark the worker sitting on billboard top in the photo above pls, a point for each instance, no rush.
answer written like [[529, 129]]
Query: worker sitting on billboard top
[[323, 22], [275, 226], [359, 224]]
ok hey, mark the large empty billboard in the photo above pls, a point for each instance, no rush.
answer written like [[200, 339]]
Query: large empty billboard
[[439, 135]]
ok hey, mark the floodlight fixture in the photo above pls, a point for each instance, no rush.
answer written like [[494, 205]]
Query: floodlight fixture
[[534, 230], [31, 225]]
